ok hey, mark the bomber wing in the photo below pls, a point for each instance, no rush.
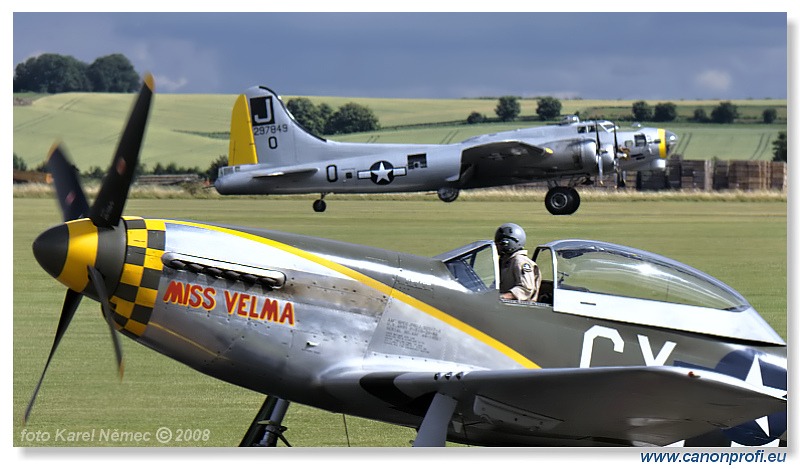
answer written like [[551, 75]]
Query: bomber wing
[[503, 150], [612, 405], [507, 162]]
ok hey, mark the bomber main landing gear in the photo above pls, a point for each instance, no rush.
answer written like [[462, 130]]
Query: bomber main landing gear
[[561, 200], [447, 194], [319, 205]]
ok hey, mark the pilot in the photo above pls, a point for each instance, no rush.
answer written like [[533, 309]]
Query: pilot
[[519, 275]]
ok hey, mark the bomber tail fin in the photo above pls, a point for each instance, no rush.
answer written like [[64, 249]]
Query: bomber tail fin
[[264, 132], [242, 147]]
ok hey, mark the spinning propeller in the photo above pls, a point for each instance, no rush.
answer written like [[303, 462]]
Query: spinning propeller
[[598, 153], [599, 156], [86, 252]]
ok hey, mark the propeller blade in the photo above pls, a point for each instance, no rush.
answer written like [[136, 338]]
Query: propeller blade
[[107, 208], [597, 137], [618, 173], [599, 155], [68, 187], [100, 288], [71, 302]]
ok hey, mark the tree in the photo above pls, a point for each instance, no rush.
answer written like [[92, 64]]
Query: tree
[[725, 113], [113, 74], [642, 111], [213, 170], [94, 172], [352, 117], [508, 108], [665, 112], [19, 163], [548, 108], [700, 115], [779, 148], [476, 117], [769, 115], [325, 112], [306, 114], [51, 73]]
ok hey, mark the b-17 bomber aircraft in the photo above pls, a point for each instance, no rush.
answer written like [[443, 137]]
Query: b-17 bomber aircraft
[[271, 153], [623, 347]]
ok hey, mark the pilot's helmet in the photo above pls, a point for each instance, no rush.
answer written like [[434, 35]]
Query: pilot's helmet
[[509, 238]]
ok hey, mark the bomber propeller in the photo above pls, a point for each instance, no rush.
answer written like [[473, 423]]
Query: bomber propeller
[[70, 251]]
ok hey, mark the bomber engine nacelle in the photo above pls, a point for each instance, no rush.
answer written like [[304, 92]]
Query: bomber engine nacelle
[[580, 155]]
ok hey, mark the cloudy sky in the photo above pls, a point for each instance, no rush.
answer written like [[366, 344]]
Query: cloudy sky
[[713, 55]]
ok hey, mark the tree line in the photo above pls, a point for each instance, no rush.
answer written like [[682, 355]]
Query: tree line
[[54, 73], [323, 120], [548, 108], [97, 173]]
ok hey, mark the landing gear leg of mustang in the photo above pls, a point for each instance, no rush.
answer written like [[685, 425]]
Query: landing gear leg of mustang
[[561, 200], [266, 428]]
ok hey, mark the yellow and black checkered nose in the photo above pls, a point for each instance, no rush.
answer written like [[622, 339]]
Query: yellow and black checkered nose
[[66, 251]]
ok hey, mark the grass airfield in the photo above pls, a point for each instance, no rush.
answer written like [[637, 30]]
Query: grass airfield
[[741, 242]]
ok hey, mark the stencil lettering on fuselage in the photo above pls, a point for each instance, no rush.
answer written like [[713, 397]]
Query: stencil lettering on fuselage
[[410, 336], [649, 358]]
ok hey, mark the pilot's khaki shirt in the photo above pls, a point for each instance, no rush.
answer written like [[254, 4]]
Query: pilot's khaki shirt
[[520, 276]]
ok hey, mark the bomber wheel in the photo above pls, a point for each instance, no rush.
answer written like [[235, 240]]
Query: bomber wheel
[[447, 194], [562, 200], [319, 205]]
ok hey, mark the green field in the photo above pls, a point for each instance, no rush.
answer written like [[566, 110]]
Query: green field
[[191, 130], [742, 243]]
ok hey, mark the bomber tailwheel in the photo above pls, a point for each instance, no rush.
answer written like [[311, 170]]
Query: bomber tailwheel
[[319, 205], [447, 194], [561, 200]]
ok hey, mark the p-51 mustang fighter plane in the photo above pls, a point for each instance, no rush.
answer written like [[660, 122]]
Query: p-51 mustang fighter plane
[[270, 153], [624, 347]]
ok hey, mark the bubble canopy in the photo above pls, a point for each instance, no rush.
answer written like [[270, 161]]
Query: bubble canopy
[[610, 281]]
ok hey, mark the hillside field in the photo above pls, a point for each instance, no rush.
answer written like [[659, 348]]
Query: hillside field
[[191, 130]]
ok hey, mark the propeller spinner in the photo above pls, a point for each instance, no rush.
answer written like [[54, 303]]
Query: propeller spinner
[[87, 254]]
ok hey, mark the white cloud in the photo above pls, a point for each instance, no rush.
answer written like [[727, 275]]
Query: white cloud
[[169, 85], [714, 80]]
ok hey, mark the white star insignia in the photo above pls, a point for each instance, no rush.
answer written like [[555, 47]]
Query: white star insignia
[[382, 174]]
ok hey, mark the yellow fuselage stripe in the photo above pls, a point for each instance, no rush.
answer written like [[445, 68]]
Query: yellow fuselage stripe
[[82, 252], [383, 288]]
